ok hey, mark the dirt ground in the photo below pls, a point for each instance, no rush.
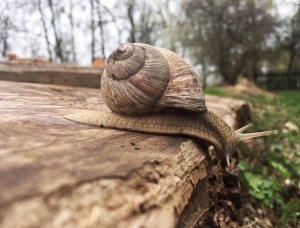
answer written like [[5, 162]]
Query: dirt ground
[[245, 87]]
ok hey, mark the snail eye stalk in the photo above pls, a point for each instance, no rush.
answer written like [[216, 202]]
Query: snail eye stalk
[[240, 137], [227, 160]]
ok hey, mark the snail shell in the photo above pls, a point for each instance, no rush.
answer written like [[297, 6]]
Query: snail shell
[[141, 79]]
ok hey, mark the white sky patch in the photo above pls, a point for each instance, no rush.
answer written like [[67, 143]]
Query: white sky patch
[[31, 43]]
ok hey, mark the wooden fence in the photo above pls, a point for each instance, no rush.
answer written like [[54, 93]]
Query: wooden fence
[[279, 81]]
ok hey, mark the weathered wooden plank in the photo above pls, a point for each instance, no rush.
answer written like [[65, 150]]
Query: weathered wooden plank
[[66, 174], [48, 73]]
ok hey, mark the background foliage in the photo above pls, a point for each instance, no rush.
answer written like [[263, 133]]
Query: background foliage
[[270, 166], [226, 38]]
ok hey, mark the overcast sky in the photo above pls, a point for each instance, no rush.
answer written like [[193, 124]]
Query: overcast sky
[[23, 43]]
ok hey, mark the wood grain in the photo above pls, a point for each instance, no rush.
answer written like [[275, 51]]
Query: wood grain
[[48, 73], [66, 174]]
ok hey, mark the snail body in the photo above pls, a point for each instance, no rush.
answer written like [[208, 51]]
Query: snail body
[[151, 89]]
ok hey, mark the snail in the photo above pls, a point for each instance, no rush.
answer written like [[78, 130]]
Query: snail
[[151, 89]]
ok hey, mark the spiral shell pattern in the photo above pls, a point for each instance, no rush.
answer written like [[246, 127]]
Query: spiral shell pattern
[[134, 80], [140, 79]]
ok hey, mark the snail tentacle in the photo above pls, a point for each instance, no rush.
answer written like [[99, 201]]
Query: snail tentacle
[[240, 137], [242, 129]]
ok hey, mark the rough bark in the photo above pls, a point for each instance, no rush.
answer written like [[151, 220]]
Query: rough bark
[[57, 173]]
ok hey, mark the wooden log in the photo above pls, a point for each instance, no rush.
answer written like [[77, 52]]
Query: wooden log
[[49, 73], [57, 173]]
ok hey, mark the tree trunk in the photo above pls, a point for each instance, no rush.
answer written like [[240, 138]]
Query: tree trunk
[[73, 51], [93, 41], [46, 33], [58, 38], [5, 46], [101, 28], [130, 14]]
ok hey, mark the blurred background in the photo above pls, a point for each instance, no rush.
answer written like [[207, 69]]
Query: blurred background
[[244, 49], [259, 39]]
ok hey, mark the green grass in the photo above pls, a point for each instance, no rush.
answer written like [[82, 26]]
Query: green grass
[[271, 167], [291, 101], [215, 91]]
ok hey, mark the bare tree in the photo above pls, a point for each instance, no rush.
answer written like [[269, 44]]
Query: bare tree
[[93, 28], [292, 42], [130, 14], [106, 17], [71, 18], [6, 25], [143, 20], [44, 25], [101, 23], [229, 32], [4, 36], [147, 23], [55, 18], [169, 23]]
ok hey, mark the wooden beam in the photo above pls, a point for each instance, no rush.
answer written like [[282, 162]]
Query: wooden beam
[[48, 73]]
